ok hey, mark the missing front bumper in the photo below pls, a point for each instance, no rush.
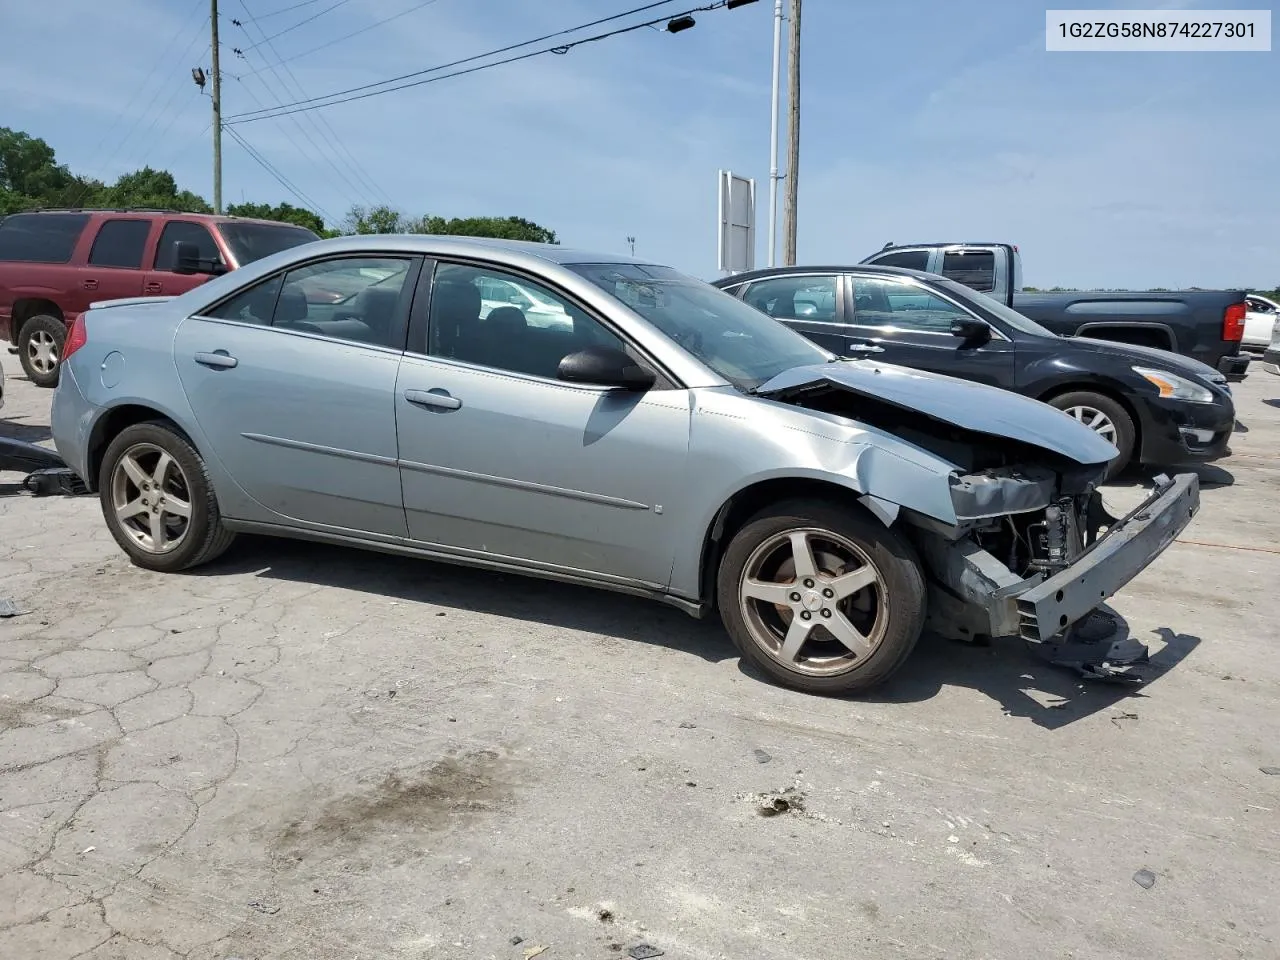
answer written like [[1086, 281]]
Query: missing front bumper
[[1049, 607]]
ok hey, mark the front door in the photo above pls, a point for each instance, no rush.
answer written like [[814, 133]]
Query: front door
[[293, 383], [161, 280], [501, 460], [898, 320]]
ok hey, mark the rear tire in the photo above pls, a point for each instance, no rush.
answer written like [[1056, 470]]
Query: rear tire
[[1108, 419], [841, 621], [157, 499], [40, 342]]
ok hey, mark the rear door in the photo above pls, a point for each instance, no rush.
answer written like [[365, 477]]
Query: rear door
[[160, 280], [907, 323], [294, 390], [812, 304], [113, 269]]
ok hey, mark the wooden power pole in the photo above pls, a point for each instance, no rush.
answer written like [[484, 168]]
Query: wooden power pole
[[793, 136], [217, 111]]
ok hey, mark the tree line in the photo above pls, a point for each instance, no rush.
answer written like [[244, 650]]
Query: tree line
[[31, 179]]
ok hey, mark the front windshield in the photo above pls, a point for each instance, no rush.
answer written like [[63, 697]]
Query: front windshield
[[253, 241], [737, 341], [1010, 316]]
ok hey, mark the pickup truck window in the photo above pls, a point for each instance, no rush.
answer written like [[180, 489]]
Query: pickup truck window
[[188, 232], [908, 259], [40, 237], [973, 268], [120, 243], [795, 298], [1010, 316], [890, 302]]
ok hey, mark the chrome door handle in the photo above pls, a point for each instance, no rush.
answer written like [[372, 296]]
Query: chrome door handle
[[856, 347], [219, 359], [431, 398]]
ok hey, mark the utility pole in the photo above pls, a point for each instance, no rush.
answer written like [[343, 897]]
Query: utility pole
[[217, 111], [793, 136], [773, 134]]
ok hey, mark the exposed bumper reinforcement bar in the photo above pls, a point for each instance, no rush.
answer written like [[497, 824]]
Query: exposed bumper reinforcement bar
[[1049, 607]]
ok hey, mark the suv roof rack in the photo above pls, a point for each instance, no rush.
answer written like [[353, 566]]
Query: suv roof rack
[[184, 213]]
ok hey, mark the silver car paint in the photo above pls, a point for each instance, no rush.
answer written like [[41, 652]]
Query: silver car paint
[[553, 478]]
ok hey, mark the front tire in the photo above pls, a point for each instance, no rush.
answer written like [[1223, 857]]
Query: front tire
[[1106, 418], [40, 342], [157, 499], [821, 597]]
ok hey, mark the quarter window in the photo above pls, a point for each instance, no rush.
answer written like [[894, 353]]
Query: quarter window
[[889, 302], [184, 231], [120, 243], [495, 319], [359, 299], [40, 237], [795, 298]]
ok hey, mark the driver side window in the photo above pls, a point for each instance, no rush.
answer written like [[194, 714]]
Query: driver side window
[[889, 302], [494, 319]]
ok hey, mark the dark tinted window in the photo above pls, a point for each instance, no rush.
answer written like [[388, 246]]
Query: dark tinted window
[[975, 269], [120, 243], [496, 319], [909, 259], [253, 241], [40, 237], [795, 298], [184, 231]]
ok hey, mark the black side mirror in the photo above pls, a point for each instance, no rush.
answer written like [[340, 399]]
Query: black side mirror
[[187, 261], [605, 367], [970, 330]]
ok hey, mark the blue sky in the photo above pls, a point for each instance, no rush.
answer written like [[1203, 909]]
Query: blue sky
[[921, 120]]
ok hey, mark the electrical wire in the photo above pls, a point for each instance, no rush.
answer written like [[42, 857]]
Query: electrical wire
[[276, 13], [279, 177], [321, 125], [347, 36], [301, 105], [300, 23]]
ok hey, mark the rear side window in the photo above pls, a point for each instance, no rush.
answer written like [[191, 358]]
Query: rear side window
[[908, 259], [120, 243], [184, 231], [40, 237], [976, 269]]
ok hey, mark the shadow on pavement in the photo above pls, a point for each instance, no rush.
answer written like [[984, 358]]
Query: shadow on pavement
[[27, 432], [1005, 671], [1211, 476]]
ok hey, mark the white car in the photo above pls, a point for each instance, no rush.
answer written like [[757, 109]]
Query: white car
[[1271, 359], [1261, 316]]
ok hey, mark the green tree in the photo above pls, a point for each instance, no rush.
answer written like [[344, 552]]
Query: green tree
[[152, 188], [383, 219], [30, 175], [282, 212]]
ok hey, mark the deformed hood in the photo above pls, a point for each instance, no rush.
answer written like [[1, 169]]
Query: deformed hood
[[972, 406]]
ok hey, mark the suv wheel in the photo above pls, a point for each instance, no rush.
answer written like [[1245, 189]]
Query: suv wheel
[[822, 598], [40, 343]]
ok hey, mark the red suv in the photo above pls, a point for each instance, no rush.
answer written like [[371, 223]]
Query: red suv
[[55, 263]]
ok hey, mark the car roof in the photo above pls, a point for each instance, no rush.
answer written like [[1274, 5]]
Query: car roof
[[806, 270], [448, 244]]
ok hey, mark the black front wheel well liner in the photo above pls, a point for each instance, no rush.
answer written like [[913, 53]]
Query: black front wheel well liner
[[25, 308], [745, 504], [1102, 390], [110, 425]]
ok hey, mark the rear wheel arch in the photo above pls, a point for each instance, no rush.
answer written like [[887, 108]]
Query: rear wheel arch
[[24, 308], [745, 503], [117, 419], [1158, 336]]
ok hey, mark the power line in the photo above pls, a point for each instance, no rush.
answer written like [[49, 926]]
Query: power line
[[276, 13], [348, 36], [300, 23], [335, 142], [301, 104], [279, 177]]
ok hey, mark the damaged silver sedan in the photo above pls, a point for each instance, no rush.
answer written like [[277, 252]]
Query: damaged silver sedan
[[603, 421]]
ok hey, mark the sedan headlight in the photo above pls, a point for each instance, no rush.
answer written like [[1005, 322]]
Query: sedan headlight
[[1175, 387]]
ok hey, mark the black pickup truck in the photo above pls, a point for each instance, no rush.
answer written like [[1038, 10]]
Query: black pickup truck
[[1206, 325]]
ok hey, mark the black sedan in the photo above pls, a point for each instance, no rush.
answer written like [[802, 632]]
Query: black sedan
[[1155, 407]]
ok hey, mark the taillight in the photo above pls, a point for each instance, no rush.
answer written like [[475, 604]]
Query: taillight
[[1233, 322], [76, 337]]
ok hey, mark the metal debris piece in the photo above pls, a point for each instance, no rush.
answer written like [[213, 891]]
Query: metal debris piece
[[55, 480], [1145, 879], [762, 755], [9, 608], [1271, 771], [643, 951], [531, 952], [268, 908]]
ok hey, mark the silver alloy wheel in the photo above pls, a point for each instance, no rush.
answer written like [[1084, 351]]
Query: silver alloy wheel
[[814, 601], [42, 351], [1095, 420], [151, 498]]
